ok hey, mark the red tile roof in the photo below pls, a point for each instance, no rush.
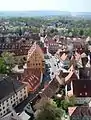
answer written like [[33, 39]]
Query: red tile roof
[[72, 75], [32, 79], [63, 57], [50, 89]]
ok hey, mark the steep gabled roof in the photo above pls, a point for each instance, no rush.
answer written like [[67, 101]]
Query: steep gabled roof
[[63, 57], [71, 73], [50, 88], [35, 47]]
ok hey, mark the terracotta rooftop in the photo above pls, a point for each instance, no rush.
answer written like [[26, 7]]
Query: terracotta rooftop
[[32, 79], [50, 89], [34, 47], [63, 57], [71, 73]]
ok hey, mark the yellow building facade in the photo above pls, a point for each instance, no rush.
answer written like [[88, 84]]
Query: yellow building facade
[[35, 58]]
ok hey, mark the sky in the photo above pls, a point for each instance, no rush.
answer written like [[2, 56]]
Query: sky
[[62, 5]]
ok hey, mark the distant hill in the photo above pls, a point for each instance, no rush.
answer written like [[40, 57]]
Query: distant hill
[[44, 13], [82, 14], [32, 13]]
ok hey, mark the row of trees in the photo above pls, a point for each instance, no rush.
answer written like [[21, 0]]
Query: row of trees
[[48, 110]]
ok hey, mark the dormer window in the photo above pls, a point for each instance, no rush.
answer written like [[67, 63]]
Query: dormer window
[[80, 94], [86, 93]]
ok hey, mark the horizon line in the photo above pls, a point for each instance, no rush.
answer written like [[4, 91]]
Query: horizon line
[[44, 11]]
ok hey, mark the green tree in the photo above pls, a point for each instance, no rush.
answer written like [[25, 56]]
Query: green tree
[[81, 32], [8, 59], [67, 102], [47, 110], [4, 69]]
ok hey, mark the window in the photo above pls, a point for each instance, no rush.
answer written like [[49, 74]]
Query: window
[[20, 99], [14, 99], [80, 94], [3, 107], [1, 114], [24, 96], [0, 109], [86, 93], [7, 110], [13, 95], [7, 100], [3, 103], [20, 91], [11, 102], [12, 114], [4, 111], [7, 104], [14, 105]]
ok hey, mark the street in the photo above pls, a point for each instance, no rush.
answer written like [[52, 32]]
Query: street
[[54, 67]]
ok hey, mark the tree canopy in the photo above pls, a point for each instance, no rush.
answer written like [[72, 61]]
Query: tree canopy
[[47, 110], [7, 62]]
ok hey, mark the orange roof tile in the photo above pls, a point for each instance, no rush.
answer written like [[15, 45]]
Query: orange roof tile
[[32, 80], [63, 57], [50, 89], [71, 72]]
